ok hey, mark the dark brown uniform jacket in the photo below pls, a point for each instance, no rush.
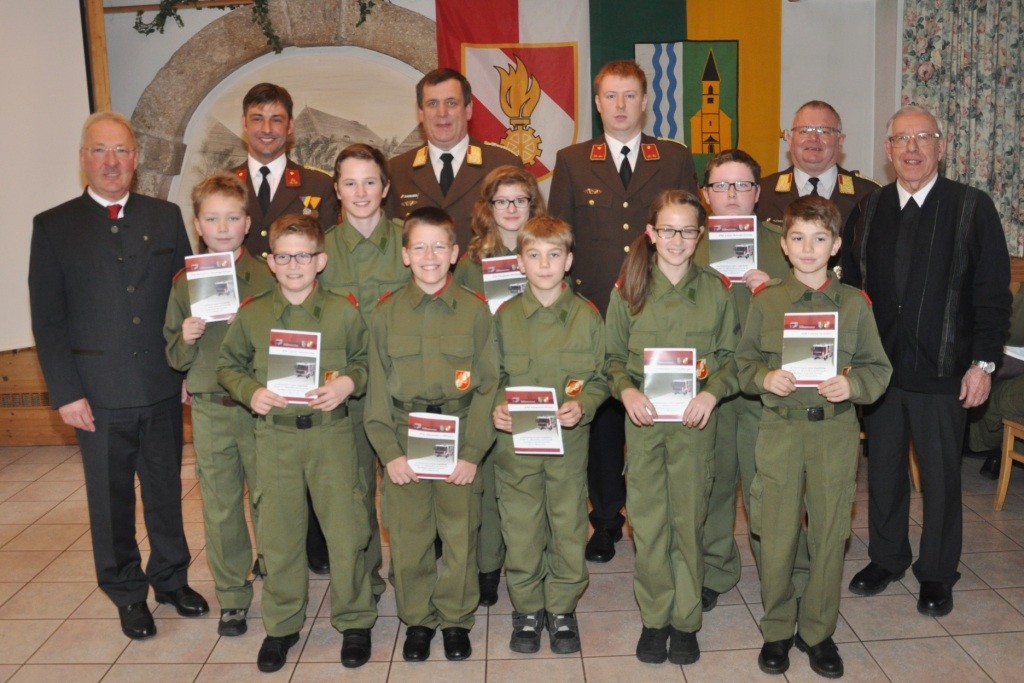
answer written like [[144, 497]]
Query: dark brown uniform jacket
[[779, 189]]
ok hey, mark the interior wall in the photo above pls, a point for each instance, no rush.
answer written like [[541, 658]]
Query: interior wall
[[42, 150]]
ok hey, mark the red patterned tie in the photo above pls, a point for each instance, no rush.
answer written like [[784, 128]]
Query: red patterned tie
[[114, 210]]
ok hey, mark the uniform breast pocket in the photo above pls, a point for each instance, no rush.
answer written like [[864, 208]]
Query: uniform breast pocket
[[458, 349], [771, 341], [404, 351], [847, 345], [577, 363], [517, 365], [701, 341]]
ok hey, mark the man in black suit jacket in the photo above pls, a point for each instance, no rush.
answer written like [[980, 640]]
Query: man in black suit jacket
[[931, 254], [268, 125], [444, 103], [99, 278]]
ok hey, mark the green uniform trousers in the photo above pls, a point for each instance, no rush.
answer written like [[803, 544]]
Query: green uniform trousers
[[414, 514], [490, 549], [669, 469], [736, 437], [543, 504], [225, 448], [1006, 400], [322, 458], [812, 465], [367, 459]]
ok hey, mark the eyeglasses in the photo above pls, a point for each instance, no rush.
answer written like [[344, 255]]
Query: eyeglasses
[[303, 258], [100, 151], [689, 233], [807, 131], [739, 186], [439, 248], [923, 139], [503, 203]]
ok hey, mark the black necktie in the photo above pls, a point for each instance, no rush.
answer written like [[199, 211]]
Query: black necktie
[[909, 218], [264, 194], [625, 170], [814, 186], [447, 172]]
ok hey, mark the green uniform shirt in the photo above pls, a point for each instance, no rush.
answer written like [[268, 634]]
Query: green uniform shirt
[[421, 347], [365, 267], [698, 313], [860, 349], [200, 359], [553, 347], [244, 355]]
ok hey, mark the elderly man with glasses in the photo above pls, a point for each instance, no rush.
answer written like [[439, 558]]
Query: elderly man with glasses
[[815, 145]]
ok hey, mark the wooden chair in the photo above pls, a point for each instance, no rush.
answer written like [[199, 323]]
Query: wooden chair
[[1011, 432]]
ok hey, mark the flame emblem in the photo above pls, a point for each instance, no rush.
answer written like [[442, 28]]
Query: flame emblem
[[520, 94]]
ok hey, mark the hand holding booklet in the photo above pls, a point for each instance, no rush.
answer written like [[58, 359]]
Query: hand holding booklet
[[535, 428], [433, 448]]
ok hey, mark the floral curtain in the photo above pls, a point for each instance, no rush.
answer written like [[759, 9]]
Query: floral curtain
[[964, 61]]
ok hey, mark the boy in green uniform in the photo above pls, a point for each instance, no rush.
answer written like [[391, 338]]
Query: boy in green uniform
[[432, 350], [305, 445], [808, 436], [222, 430], [364, 258], [547, 336]]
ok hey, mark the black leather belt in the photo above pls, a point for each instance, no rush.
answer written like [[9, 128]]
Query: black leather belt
[[448, 407], [309, 420], [221, 399], [816, 414]]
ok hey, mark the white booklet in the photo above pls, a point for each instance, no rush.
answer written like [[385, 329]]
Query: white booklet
[[732, 245], [535, 428], [670, 381], [433, 448], [809, 343], [502, 280], [293, 367], [212, 285]]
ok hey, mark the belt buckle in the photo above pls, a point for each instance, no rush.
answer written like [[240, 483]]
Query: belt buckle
[[815, 414], [304, 421], [434, 408]]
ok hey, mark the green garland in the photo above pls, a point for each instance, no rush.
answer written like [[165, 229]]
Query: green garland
[[260, 17]]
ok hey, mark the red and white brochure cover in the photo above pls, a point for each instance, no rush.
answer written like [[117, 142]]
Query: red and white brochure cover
[[670, 381], [212, 285], [732, 245], [433, 448], [293, 366], [502, 280], [809, 345], [535, 428]]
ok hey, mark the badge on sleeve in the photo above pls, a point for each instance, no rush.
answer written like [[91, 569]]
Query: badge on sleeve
[[573, 387], [702, 369], [845, 184], [462, 379]]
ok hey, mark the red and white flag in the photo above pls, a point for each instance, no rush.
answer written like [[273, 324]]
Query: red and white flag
[[529, 64]]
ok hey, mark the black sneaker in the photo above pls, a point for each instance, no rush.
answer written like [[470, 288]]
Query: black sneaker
[[682, 647], [708, 599], [526, 627], [564, 632], [232, 622], [652, 646]]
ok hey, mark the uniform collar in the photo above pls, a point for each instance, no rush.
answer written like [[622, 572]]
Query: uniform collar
[[379, 238], [313, 305], [796, 290], [560, 308], [661, 287], [414, 296]]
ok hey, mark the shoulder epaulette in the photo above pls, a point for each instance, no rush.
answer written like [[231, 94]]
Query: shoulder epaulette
[[177, 275], [242, 173], [678, 142], [784, 183], [384, 297], [465, 255], [475, 155], [725, 281], [478, 295], [619, 282], [503, 304], [649, 150], [245, 301], [590, 303], [760, 288], [292, 177], [866, 297], [598, 151], [352, 299], [422, 155]]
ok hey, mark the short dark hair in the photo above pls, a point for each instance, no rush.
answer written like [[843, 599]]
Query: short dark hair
[[428, 215], [222, 183], [813, 209], [267, 93], [366, 153], [297, 224], [737, 155], [438, 76]]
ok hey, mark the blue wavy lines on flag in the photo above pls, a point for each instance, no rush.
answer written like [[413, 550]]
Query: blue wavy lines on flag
[[663, 65]]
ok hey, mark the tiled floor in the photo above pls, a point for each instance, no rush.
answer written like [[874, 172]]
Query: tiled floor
[[55, 624]]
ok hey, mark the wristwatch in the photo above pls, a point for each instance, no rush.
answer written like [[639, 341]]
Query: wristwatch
[[986, 365]]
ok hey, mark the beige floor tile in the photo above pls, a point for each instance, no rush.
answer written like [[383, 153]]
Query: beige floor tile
[[1013, 528], [83, 641], [195, 536], [998, 570], [48, 537], [887, 616], [11, 454], [66, 512], [192, 510], [982, 537], [619, 669], [199, 570], [25, 471], [177, 641], [729, 627], [46, 491], [563, 669], [67, 471], [969, 581], [24, 565], [9, 531], [438, 670], [982, 611], [7, 589], [746, 554], [47, 673], [608, 593], [152, 673], [71, 565], [387, 607], [1013, 506], [728, 665], [926, 660], [734, 597], [609, 634], [749, 587], [46, 601], [858, 665], [22, 638], [322, 673], [9, 488], [97, 606], [999, 654], [625, 556], [243, 649], [859, 519], [218, 673], [324, 643], [1015, 596], [51, 454], [12, 512]]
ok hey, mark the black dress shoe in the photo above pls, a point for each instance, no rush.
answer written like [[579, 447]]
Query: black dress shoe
[[456, 643], [601, 546], [936, 599], [824, 657], [774, 657], [274, 652], [652, 646], [708, 599], [417, 643], [873, 579], [489, 587], [136, 620], [318, 563], [990, 470], [682, 646], [185, 600], [355, 647]]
